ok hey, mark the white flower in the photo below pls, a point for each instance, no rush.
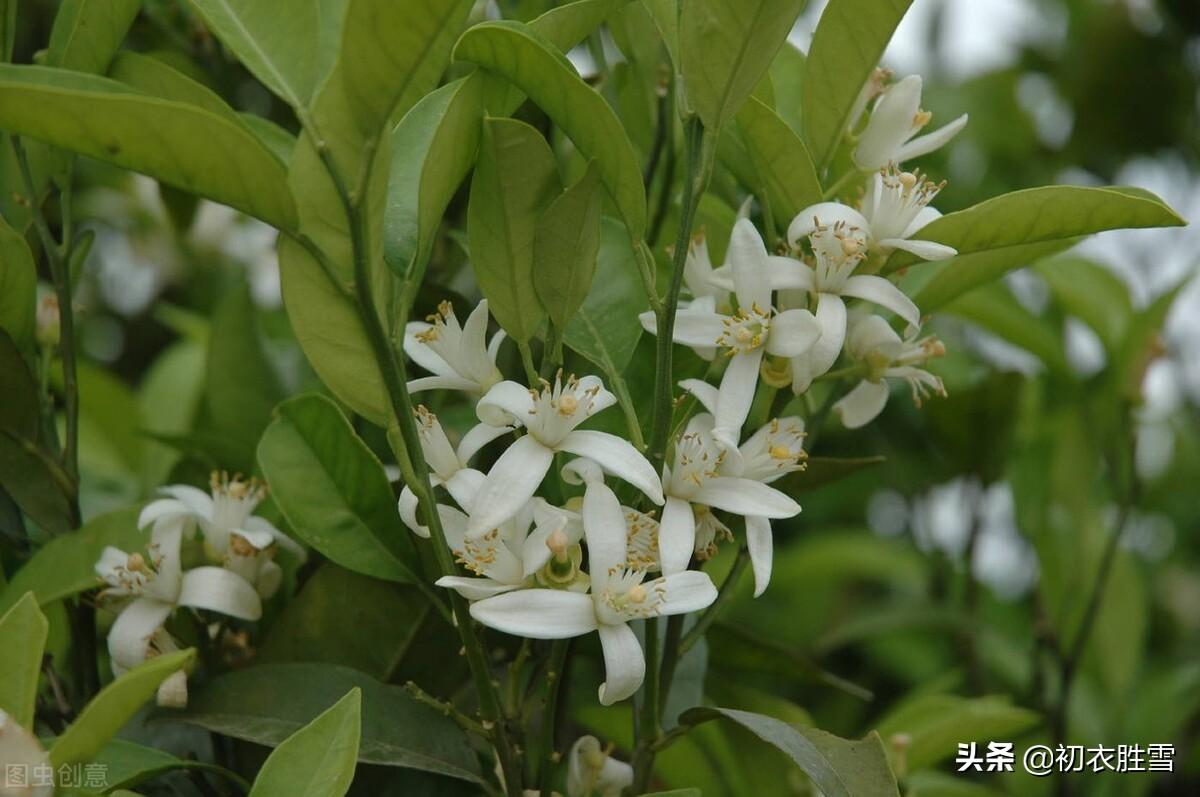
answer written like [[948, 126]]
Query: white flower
[[459, 357], [21, 752], [895, 119], [503, 559], [886, 356], [695, 482], [593, 772], [550, 416], [449, 465], [895, 207], [233, 536], [617, 597], [745, 336], [157, 585]]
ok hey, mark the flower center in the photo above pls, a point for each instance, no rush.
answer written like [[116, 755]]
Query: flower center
[[745, 330]]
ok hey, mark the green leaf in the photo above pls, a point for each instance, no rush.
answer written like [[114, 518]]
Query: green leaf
[[566, 243], [128, 764], [8, 28], [23, 631], [341, 617], [87, 33], [242, 386], [1093, 294], [675, 793], [726, 46], [332, 489], [787, 75], [994, 308], [18, 287], [266, 704], [317, 760], [20, 409], [515, 179], [822, 471], [64, 566], [168, 401], [112, 708], [289, 53], [838, 767], [784, 169], [567, 25], [1044, 216], [846, 48], [606, 329], [188, 147], [936, 723], [158, 78], [433, 148], [532, 63]]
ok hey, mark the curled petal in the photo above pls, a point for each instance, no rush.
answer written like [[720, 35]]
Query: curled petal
[[705, 393], [793, 332], [927, 143], [831, 315], [407, 506], [200, 502], [624, 663], [479, 436], [450, 382], [689, 591], [220, 590], [163, 508], [475, 589], [129, 637], [507, 403], [762, 551], [826, 214], [862, 404], [538, 613], [618, 457], [926, 250]]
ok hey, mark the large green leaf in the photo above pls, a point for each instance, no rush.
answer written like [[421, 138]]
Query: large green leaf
[[318, 760], [18, 287], [838, 767], [846, 48], [534, 65], [994, 308], [787, 77], [936, 723], [87, 33], [433, 148], [1011, 223], [23, 631], [112, 708], [332, 489], [289, 53], [8, 28], [565, 247], [186, 146], [158, 78], [1093, 294], [64, 566], [781, 162], [515, 179], [726, 46], [341, 617], [267, 704], [606, 328], [127, 764], [20, 410]]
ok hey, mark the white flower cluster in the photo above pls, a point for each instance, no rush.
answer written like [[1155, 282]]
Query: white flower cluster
[[146, 587], [779, 318]]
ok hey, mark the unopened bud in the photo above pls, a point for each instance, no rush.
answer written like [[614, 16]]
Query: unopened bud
[[558, 543], [48, 330]]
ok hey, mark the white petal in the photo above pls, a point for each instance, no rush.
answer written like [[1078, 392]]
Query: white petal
[[165, 551], [747, 258], [604, 528], [538, 613], [129, 637], [479, 436], [862, 404], [869, 333], [472, 344], [509, 484], [163, 508], [475, 589], [173, 691], [200, 502], [705, 393], [735, 396], [21, 756], [220, 590], [883, 293], [745, 497], [534, 551], [891, 124], [624, 663], [270, 577], [256, 523], [927, 143], [792, 333], [924, 216], [689, 591], [697, 327], [493, 348], [676, 536], [762, 550], [259, 538], [464, 485], [831, 315], [407, 506], [421, 353], [649, 321], [442, 383], [926, 250], [505, 404], [826, 214], [617, 456]]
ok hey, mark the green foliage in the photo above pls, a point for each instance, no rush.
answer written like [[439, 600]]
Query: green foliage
[[935, 724], [87, 33], [18, 287], [318, 760], [783, 170], [23, 630], [333, 491], [566, 244]]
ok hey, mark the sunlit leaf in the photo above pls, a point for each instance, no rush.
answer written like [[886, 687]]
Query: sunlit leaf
[[780, 161], [319, 759]]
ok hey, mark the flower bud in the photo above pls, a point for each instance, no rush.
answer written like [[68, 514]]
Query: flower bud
[[48, 330]]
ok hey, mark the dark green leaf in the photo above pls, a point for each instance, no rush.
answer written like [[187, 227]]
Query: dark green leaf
[[606, 328], [128, 764], [936, 723], [23, 631], [318, 760], [566, 243], [18, 287], [332, 489], [784, 170], [20, 409], [821, 471]]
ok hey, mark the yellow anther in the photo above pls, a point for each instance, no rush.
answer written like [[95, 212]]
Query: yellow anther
[[908, 180], [921, 119]]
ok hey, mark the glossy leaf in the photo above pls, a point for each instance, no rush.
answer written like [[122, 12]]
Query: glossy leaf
[[289, 53], [536, 67], [111, 709], [186, 146], [606, 328], [838, 767], [332, 489], [87, 33], [515, 179], [781, 162], [937, 723], [18, 287], [566, 243], [23, 630], [725, 48], [267, 704], [846, 48], [319, 759]]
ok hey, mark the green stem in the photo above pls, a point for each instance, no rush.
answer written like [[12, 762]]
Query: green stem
[[554, 681], [552, 353], [670, 659], [723, 595], [647, 717], [625, 402], [531, 371]]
